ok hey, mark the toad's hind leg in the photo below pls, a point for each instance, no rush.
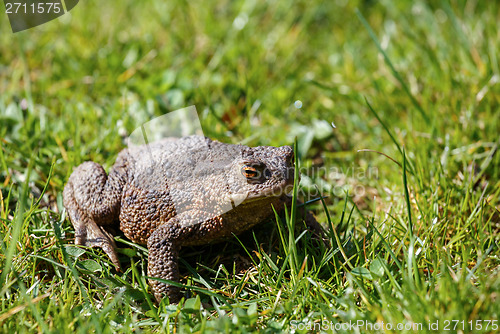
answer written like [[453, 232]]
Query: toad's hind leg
[[92, 200], [88, 233]]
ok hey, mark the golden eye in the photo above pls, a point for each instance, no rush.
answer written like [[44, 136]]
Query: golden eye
[[250, 172]]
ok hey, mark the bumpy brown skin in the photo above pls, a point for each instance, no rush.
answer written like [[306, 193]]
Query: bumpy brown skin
[[177, 192]]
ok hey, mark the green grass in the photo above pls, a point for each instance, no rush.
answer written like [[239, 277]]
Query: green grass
[[413, 240]]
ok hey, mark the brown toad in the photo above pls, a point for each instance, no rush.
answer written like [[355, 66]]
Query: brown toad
[[177, 192]]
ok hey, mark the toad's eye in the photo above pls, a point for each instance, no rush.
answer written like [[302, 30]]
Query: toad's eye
[[250, 172], [255, 172]]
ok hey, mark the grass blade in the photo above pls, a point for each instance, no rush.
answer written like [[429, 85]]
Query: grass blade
[[391, 66]]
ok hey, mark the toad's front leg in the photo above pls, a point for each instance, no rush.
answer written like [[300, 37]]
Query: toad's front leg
[[163, 246]]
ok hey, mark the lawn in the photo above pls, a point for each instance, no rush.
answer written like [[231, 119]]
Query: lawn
[[395, 111]]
